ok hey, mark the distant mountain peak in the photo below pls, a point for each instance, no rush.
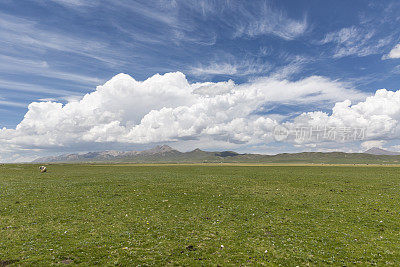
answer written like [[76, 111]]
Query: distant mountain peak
[[163, 148], [380, 151], [167, 147], [160, 149]]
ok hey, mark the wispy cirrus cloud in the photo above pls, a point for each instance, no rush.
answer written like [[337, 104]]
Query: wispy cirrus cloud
[[12, 103], [356, 41], [15, 65], [18, 34], [252, 68], [167, 20], [72, 3], [243, 68], [7, 85], [250, 19], [268, 21]]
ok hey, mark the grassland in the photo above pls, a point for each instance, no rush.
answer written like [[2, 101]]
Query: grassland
[[199, 215]]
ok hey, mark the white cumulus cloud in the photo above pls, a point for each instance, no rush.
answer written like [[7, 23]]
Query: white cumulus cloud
[[378, 116], [167, 108]]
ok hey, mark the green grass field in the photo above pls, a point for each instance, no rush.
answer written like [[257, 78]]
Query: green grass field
[[199, 215]]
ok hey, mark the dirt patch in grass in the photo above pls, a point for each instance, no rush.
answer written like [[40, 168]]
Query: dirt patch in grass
[[7, 262], [67, 261]]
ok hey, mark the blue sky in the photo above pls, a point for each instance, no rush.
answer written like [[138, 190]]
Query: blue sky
[[60, 50]]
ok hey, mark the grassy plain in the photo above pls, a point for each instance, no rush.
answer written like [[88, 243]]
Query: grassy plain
[[199, 215]]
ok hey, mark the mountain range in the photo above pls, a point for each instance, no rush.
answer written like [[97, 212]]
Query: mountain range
[[166, 154]]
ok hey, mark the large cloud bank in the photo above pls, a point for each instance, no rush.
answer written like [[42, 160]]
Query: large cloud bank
[[167, 108]]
